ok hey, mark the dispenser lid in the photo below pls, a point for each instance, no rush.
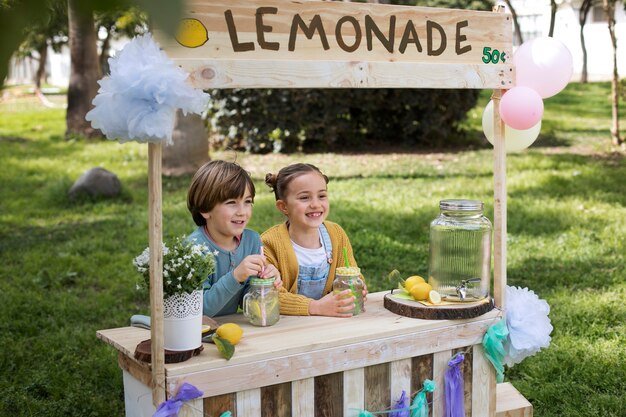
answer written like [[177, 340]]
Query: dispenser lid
[[461, 205]]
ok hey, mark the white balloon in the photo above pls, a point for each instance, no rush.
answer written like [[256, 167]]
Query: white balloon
[[514, 140]]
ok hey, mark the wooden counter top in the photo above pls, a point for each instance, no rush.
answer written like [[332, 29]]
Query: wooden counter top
[[301, 347]]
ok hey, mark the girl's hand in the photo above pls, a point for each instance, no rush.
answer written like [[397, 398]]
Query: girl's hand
[[364, 295], [250, 266], [271, 271], [333, 305]]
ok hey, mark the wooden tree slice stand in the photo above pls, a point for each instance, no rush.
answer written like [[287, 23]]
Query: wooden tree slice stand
[[143, 352], [417, 310]]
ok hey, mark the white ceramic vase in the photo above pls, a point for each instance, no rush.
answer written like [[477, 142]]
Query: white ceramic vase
[[182, 321]]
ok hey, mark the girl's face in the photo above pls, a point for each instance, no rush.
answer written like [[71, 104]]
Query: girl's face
[[229, 218], [306, 203]]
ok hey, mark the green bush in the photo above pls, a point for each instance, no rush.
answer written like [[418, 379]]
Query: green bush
[[261, 121]]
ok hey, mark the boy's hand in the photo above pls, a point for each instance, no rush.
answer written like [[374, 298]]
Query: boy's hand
[[250, 266], [333, 305]]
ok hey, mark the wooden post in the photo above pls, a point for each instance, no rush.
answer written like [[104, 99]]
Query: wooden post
[[499, 203], [155, 231]]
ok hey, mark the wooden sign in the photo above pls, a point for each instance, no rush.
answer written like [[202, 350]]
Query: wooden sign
[[279, 43]]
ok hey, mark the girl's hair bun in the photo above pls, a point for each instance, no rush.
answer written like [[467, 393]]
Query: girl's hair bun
[[270, 180]]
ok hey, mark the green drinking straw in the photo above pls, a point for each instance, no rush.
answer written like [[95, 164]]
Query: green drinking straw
[[345, 257]]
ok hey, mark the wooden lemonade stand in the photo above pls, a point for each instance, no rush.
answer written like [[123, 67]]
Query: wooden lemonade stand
[[322, 366]]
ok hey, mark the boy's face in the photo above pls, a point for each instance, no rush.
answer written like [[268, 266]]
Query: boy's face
[[229, 218], [306, 203]]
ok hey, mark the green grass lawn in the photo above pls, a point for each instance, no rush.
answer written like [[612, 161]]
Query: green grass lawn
[[66, 269]]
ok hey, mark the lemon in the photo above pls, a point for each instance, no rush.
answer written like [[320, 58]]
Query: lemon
[[420, 291], [191, 33], [411, 281], [231, 332], [434, 297], [205, 328]]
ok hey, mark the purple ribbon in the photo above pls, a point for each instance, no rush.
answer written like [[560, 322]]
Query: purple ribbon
[[401, 408], [454, 395], [170, 408]]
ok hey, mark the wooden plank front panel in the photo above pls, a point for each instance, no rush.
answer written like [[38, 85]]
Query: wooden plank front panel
[[377, 388], [483, 385], [215, 406], [422, 369], [400, 379], [276, 400], [303, 398], [329, 395], [353, 391], [192, 408], [249, 403], [440, 366]]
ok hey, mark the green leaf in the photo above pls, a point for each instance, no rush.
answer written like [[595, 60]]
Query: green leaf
[[394, 276], [402, 294], [226, 348]]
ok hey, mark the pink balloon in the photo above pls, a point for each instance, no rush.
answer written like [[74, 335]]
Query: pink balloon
[[514, 140], [521, 108], [543, 64]]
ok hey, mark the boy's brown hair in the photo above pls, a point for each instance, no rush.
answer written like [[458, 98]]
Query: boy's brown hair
[[216, 182]]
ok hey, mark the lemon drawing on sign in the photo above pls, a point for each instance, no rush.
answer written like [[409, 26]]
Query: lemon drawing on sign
[[191, 33]]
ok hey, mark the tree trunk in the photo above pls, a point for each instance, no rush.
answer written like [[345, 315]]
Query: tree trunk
[[41, 68], [582, 19], [84, 71], [40, 74], [191, 146], [104, 53], [553, 8], [609, 8], [518, 31]]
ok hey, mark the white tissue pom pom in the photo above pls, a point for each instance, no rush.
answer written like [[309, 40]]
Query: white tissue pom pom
[[138, 101], [528, 323]]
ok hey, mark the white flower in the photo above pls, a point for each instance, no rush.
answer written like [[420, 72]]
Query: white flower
[[166, 273], [179, 286], [528, 323]]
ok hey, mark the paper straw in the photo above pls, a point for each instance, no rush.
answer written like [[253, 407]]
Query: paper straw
[[262, 301], [345, 257]]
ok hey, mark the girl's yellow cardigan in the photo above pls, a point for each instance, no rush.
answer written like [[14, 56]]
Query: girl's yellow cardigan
[[279, 252]]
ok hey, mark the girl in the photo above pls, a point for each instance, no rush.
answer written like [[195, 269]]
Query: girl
[[306, 249], [220, 200]]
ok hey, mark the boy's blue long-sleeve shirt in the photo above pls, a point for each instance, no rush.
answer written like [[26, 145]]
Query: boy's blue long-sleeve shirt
[[222, 293]]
